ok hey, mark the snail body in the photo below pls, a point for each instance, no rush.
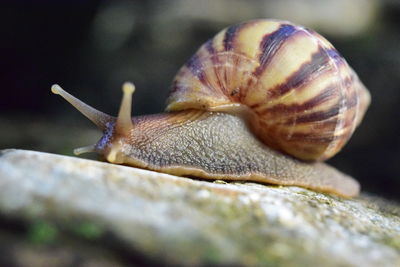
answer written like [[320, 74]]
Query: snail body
[[262, 101]]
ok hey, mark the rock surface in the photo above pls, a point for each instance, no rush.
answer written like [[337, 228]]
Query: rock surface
[[134, 216]]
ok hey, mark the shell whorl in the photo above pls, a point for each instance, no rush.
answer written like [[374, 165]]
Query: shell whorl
[[306, 98]]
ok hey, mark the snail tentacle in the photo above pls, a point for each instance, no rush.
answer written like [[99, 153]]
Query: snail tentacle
[[97, 117], [124, 121], [85, 149]]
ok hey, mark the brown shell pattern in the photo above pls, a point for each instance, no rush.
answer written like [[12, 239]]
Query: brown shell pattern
[[306, 98]]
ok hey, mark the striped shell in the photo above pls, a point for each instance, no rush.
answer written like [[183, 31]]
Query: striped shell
[[306, 99]]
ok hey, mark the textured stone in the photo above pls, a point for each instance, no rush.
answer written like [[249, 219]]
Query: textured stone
[[173, 220]]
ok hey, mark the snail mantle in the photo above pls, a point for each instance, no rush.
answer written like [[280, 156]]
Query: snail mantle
[[170, 220]]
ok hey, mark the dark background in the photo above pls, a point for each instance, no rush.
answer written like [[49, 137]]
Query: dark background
[[91, 47]]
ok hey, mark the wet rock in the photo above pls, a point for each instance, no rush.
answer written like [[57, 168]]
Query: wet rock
[[152, 218]]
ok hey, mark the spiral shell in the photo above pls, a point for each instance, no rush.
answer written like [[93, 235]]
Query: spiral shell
[[306, 99]]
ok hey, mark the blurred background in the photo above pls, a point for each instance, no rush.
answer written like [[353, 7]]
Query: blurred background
[[91, 47]]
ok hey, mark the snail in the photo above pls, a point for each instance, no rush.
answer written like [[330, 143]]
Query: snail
[[264, 101]]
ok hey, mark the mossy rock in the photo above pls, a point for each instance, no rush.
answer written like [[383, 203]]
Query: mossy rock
[[135, 216]]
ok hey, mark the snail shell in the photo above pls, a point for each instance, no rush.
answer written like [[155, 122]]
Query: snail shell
[[300, 94]]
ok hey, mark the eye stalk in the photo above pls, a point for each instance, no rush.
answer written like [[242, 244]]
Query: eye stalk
[[97, 117], [124, 120], [121, 126]]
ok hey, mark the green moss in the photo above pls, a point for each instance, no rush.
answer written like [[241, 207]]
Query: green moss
[[88, 230], [42, 232], [219, 182], [211, 255], [392, 242]]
